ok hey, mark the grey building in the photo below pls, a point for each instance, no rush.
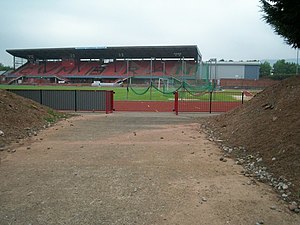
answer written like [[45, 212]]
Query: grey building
[[233, 70]]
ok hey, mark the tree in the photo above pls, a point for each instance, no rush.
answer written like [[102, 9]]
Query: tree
[[265, 69], [284, 17], [281, 67], [4, 68]]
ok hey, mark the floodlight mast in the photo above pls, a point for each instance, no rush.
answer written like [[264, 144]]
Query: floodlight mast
[[182, 59], [151, 67], [213, 60]]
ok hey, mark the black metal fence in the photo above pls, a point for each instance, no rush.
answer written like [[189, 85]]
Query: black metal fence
[[186, 101], [71, 100]]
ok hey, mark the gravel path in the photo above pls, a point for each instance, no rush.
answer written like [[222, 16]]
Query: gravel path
[[130, 168]]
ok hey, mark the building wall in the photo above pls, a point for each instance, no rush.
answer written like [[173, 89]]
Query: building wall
[[227, 71], [252, 72], [231, 70]]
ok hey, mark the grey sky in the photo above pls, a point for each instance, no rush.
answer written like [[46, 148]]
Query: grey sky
[[231, 29]]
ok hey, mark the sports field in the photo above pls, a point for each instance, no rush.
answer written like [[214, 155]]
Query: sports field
[[121, 93]]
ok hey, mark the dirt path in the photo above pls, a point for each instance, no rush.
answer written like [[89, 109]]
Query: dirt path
[[130, 168]]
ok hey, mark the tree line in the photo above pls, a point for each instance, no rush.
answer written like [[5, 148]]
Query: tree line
[[5, 68], [280, 70]]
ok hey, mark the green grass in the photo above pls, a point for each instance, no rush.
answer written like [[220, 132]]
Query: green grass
[[54, 116], [121, 93], [217, 96], [36, 87]]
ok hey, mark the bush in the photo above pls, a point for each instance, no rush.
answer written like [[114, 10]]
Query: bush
[[281, 76]]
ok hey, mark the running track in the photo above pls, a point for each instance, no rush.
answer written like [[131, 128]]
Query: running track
[[158, 106]]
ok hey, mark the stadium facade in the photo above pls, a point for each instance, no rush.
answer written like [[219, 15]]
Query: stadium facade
[[111, 64]]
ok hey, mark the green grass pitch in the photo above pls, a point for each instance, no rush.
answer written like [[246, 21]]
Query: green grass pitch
[[121, 93]]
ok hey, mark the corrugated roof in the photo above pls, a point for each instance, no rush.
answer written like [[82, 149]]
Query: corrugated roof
[[125, 52]]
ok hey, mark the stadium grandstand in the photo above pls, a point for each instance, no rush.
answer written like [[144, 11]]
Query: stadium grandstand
[[105, 64]]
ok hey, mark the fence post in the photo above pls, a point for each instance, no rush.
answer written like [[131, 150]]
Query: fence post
[[41, 95], [75, 103], [210, 101], [176, 103], [151, 90], [107, 102], [112, 101], [243, 97]]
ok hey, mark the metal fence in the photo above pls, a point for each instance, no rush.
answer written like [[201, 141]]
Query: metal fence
[[186, 101], [71, 100]]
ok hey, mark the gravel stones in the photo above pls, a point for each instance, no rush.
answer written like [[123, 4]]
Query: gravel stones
[[254, 167], [222, 159], [293, 206], [267, 127]]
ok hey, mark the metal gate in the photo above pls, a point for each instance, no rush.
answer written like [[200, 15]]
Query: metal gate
[[187, 101]]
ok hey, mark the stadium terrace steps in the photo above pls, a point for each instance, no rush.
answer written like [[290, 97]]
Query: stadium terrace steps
[[139, 68], [51, 68], [117, 68], [30, 69], [85, 68]]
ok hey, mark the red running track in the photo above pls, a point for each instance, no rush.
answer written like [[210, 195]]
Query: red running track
[[144, 106], [159, 106]]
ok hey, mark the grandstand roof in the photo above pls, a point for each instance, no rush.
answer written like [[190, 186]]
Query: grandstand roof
[[125, 52]]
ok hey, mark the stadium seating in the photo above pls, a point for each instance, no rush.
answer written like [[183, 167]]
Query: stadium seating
[[27, 69], [117, 68]]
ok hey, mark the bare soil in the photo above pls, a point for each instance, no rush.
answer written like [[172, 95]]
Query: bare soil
[[21, 118], [130, 168], [268, 126]]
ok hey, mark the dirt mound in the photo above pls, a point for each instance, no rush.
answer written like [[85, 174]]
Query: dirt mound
[[21, 117], [268, 128]]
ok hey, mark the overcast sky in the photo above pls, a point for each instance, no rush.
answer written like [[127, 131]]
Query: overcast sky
[[222, 29]]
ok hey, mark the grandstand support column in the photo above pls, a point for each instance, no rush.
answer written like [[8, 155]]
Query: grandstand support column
[[127, 67], [151, 67], [182, 67], [199, 71], [14, 62], [45, 66], [78, 65], [115, 66], [164, 67]]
